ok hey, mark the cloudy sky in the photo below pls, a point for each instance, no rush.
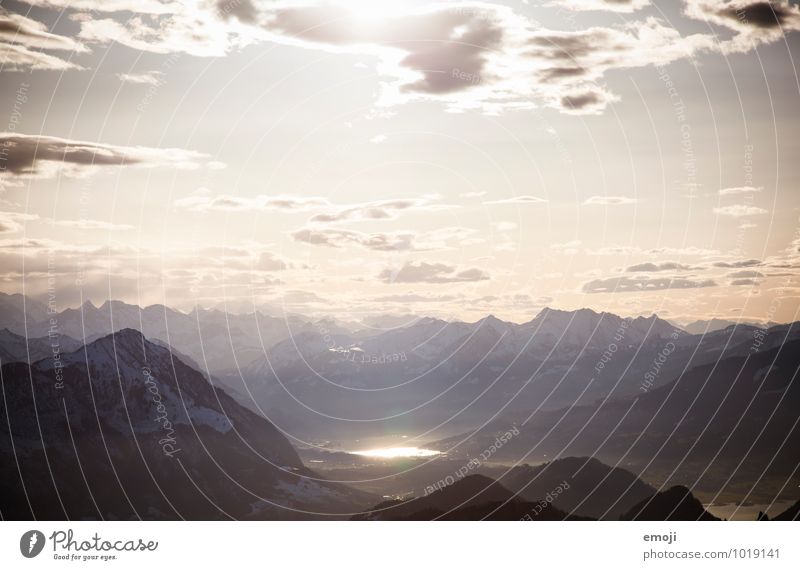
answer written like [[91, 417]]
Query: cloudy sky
[[355, 157]]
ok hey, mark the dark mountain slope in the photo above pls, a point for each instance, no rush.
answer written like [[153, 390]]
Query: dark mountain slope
[[675, 504], [139, 434], [595, 489]]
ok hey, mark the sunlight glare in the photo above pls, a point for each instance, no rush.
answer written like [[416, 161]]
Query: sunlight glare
[[395, 452]]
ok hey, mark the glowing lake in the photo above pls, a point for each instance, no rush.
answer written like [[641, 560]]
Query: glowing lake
[[395, 452]]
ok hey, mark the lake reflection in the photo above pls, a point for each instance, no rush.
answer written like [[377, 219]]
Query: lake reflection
[[394, 452]]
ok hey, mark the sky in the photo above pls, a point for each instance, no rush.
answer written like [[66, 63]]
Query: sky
[[451, 159]]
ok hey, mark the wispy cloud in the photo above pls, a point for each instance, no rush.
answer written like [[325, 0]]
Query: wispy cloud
[[43, 157], [203, 201], [21, 38], [736, 190], [144, 78], [739, 211], [12, 222], [609, 201], [92, 225], [521, 200], [379, 210]]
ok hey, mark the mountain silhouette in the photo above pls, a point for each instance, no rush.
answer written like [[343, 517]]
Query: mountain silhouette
[[674, 504], [474, 497], [596, 490]]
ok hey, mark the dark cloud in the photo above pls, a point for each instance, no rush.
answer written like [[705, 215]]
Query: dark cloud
[[583, 101], [759, 14], [745, 273], [754, 22], [25, 152], [665, 266], [735, 264], [24, 155]]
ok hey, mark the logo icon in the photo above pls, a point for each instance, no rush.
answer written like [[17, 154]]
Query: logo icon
[[31, 543]]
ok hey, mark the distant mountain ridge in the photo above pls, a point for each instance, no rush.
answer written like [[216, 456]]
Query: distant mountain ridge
[[432, 369]]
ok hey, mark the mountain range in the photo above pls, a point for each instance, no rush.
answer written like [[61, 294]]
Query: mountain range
[[121, 412]]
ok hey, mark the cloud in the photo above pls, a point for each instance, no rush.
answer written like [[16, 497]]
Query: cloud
[[424, 272], [378, 210], [92, 225], [745, 273], [664, 266], [412, 297], [202, 201], [465, 55], [43, 157], [634, 284], [739, 210], [505, 226], [21, 58], [193, 27], [10, 221], [298, 297], [657, 251], [337, 238], [741, 263], [21, 38], [220, 271], [569, 248], [269, 262], [737, 282], [609, 201], [621, 6], [145, 78], [140, 6], [517, 200], [439, 239], [753, 21], [740, 190], [680, 251]]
